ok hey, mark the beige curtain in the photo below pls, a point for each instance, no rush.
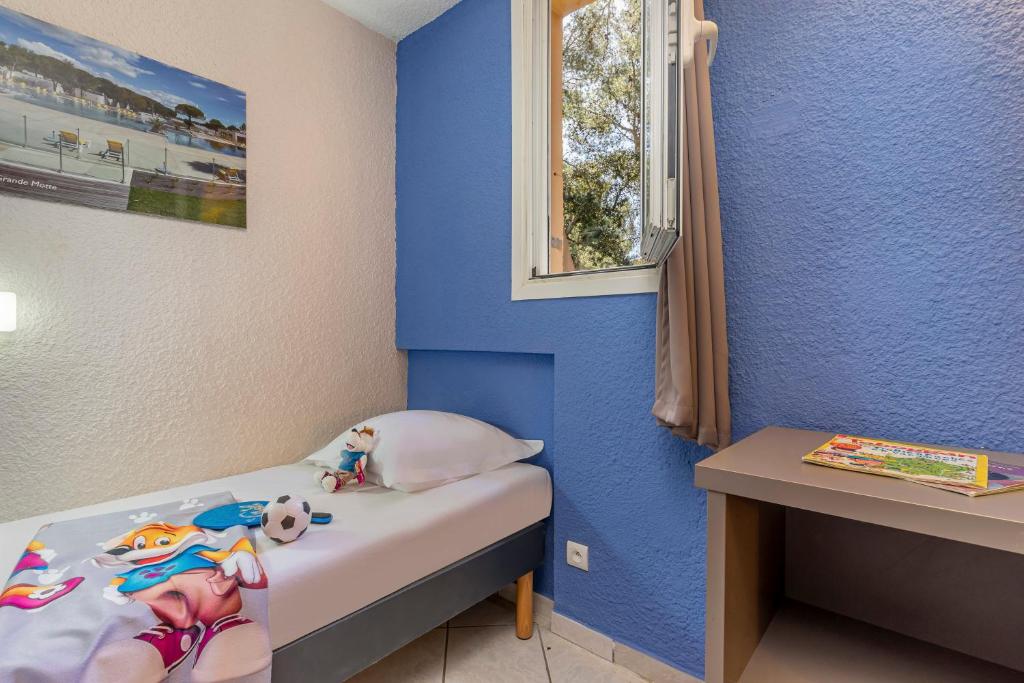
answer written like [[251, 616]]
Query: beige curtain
[[692, 381]]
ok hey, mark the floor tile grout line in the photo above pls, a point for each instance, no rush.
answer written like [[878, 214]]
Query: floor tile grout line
[[444, 660], [543, 652]]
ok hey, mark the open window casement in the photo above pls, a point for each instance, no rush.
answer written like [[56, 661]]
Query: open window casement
[[597, 148], [662, 162], [672, 33]]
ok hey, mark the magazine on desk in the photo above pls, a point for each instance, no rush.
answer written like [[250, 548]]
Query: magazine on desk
[[1002, 477], [931, 466]]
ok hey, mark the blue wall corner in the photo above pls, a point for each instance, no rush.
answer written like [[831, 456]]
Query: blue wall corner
[[872, 190]]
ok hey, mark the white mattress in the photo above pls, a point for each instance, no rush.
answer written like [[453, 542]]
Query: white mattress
[[380, 540]]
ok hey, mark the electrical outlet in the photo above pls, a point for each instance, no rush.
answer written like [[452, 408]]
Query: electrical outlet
[[577, 555]]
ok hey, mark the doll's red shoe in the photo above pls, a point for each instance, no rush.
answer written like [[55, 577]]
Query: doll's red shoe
[[231, 648], [173, 644]]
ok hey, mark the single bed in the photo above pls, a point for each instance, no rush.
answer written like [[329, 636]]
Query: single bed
[[390, 566]]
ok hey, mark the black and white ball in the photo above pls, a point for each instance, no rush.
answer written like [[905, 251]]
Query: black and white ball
[[286, 518]]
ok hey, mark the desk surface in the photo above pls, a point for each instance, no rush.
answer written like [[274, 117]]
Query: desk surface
[[767, 466]]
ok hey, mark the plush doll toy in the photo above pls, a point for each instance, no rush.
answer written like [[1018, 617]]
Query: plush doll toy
[[353, 461]]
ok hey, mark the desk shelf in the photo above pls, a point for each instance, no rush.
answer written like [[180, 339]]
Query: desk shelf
[[804, 644]]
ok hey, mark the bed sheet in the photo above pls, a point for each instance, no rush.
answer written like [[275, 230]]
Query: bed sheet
[[379, 541]]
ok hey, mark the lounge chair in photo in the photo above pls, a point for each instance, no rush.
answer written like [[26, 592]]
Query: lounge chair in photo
[[65, 139], [114, 151], [69, 140]]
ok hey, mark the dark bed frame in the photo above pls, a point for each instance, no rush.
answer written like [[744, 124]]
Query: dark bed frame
[[344, 648]]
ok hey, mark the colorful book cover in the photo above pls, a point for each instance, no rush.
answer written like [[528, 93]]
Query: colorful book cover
[[902, 460], [1002, 477]]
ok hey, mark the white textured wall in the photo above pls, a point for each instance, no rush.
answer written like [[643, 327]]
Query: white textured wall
[[153, 352]]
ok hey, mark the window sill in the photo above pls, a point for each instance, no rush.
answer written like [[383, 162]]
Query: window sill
[[636, 281]]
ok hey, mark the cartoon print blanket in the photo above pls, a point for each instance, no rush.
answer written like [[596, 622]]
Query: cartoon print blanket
[[140, 595]]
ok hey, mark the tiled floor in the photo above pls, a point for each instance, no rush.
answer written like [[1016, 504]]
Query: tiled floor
[[480, 646]]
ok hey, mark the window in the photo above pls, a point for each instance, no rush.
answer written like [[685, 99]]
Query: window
[[594, 156]]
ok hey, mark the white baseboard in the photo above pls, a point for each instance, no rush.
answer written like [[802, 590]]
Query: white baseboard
[[649, 668], [643, 665], [587, 638]]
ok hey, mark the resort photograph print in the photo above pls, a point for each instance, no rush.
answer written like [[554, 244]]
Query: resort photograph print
[[89, 123]]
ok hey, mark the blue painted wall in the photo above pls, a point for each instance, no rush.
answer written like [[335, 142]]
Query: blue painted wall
[[871, 162], [871, 166], [622, 486]]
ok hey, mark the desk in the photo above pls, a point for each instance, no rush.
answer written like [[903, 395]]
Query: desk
[[817, 574]]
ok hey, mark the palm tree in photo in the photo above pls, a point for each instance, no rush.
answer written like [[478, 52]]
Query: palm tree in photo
[[190, 112]]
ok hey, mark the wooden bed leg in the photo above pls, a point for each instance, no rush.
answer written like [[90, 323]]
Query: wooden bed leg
[[524, 606]]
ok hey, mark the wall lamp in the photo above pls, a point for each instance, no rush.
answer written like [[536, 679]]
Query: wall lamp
[[8, 311]]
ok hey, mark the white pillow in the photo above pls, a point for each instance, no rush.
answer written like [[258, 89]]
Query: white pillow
[[420, 449]]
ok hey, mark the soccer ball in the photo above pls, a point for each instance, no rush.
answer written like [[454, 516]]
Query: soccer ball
[[285, 519]]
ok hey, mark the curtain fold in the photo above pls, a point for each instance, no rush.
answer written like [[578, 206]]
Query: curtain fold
[[692, 374]]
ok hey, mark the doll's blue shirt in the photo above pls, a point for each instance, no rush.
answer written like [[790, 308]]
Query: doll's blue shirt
[[151, 574], [349, 460]]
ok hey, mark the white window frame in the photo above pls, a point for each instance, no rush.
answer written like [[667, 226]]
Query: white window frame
[[530, 184]]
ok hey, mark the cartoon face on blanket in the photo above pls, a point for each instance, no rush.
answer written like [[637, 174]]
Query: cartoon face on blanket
[[191, 587]]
